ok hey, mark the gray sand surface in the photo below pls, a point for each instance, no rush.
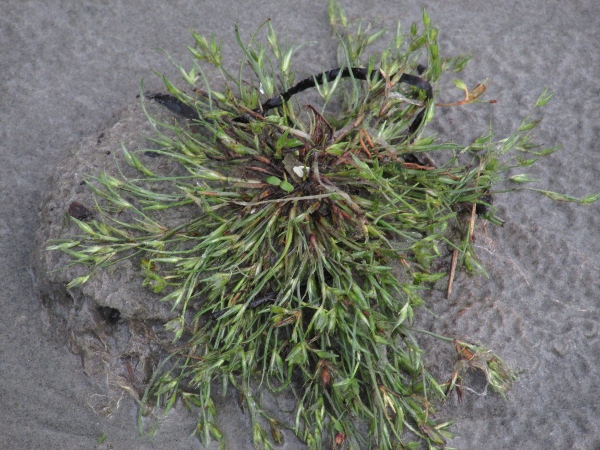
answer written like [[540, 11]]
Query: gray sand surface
[[67, 66]]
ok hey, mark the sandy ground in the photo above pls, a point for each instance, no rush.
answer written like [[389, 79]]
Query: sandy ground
[[67, 66]]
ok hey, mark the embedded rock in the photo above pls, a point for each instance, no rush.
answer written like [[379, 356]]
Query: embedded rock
[[111, 321]]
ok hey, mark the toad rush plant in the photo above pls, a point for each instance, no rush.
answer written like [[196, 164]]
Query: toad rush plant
[[311, 236]]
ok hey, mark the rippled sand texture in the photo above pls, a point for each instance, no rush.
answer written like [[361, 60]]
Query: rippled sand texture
[[68, 66]]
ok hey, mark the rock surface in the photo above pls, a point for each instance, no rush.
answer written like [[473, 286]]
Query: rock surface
[[113, 323]]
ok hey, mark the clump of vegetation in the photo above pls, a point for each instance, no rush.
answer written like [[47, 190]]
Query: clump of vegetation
[[313, 236]]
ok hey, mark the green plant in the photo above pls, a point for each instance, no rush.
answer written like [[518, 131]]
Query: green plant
[[313, 236]]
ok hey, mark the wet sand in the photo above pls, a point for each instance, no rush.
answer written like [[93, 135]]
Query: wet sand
[[68, 66]]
